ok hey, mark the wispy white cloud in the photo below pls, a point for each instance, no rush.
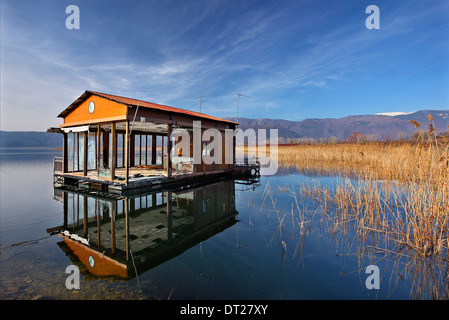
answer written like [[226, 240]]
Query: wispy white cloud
[[265, 51]]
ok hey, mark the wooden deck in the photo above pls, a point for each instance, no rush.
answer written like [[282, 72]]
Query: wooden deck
[[143, 179], [146, 177]]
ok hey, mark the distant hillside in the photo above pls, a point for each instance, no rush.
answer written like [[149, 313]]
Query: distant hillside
[[380, 126], [30, 139], [377, 126]]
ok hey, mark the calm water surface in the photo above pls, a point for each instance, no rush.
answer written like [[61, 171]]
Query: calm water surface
[[227, 240]]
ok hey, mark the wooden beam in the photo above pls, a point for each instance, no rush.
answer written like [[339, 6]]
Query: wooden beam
[[77, 151], [93, 121], [113, 151], [153, 149], [97, 204], [125, 205], [126, 155], [140, 149], [123, 150], [146, 149], [73, 151], [162, 150], [132, 149], [98, 150], [105, 148], [65, 208], [85, 145], [65, 162], [85, 217], [113, 209], [169, 217], [169, 147]]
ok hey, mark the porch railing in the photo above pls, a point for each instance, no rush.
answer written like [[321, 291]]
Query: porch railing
[[57, 164]]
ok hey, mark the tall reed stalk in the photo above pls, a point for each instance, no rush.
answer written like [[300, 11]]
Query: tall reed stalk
[[401, 190]]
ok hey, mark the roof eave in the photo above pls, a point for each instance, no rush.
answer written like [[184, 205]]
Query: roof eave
[[74, 104]]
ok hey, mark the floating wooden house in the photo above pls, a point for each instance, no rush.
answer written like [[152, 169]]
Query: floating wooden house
[[116, 143]]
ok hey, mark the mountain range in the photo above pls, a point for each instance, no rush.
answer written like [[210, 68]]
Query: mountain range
[[381, 126]]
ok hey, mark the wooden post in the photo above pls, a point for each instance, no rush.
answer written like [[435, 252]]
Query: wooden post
[[64, 153], [77, 151], [123, 150], [85, 217], [65, 206], [146, 149], [97, 203], [169, 146], [105, 148], [162, 152], [113, 151], [98, 149], [85, 145], [140, 149], [153, 149], [113, 209], [125, 205], [132, 149], [73, 152], [169, 216], [126, 155]]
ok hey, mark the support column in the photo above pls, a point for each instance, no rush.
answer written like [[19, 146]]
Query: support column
[[98, 150], [113, 209], [169, 217], [85, 145], [132, 150], [113, 151], [123, 150], [153, 149], [65, 206], [169, 147], [64, 153], [73, 151], [126, 155], [146, 149], [85, 217], [105, 148], [140, 149], [77, 151], [125, 205], [98, 216]]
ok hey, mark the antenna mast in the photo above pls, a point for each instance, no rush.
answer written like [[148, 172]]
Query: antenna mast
[[201, 93], [238, 96]]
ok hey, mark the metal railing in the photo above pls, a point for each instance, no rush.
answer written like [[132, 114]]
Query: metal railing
[[246, 161]]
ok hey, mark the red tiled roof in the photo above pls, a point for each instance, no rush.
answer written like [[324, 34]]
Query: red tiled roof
[[140, 103]]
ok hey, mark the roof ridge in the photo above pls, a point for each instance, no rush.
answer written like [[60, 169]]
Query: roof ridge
[[147, 104]]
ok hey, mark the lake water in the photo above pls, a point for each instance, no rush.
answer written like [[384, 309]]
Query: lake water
[[227, 240]]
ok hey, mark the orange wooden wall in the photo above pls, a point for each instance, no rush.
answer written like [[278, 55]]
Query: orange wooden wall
[[104, 109]]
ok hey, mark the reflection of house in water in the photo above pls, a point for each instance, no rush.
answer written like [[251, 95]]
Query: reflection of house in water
[[116, 235]]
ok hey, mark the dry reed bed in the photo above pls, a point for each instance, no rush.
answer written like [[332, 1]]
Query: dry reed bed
[[381, 221], [401, 191], [404, 162]]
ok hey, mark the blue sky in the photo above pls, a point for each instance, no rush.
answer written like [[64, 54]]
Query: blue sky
[[294, 59]]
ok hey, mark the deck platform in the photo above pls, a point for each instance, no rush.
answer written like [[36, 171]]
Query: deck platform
[[148, 179]]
